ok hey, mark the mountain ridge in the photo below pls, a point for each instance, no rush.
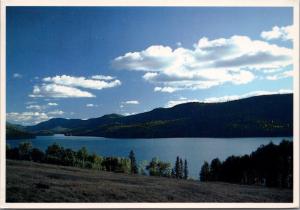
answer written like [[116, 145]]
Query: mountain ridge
[[268, 115]]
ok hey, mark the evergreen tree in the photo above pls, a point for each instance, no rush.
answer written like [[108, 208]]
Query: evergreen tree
[[153, 167], [215, 169], [185, 172], [204, 173], [142, 167], [25, 150], [82, 155], [134, 168], [177, 167], [173, 173], [180, 169]]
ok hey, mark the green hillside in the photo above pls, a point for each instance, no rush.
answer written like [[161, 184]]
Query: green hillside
[[269, 115]]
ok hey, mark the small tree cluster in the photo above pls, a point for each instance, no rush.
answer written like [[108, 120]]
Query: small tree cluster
[[180, 170], [159, 168], [134, 167]]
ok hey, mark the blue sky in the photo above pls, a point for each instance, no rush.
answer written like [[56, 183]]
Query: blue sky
[[85, 62]]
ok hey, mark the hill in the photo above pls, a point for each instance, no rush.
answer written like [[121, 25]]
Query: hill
[[269, 115], [35, 182], [17, 132]]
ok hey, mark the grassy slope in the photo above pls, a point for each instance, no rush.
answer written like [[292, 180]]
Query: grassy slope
[[34, 182]]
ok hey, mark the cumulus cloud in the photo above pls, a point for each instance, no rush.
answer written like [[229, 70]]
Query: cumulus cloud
[[30, 102], [178, 44], [17, 75], [32, 105], [183, 100], [38, 107], [102, 77], [65, 86], [281, 75], [35, 106], [134, 102], [271, 71], [82, 82], [91, 105], [180, 101], [52, 104], [27, 118], [56, 112], [165, 89], [250, 94], [59, 91], [129, 113], [283, 33], [210, 63]]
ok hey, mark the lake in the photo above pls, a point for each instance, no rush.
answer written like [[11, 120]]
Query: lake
[[195, 150]]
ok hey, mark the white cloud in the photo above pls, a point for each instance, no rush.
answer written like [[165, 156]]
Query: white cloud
[[30, 102], [56, 112], [165, 89], [183, 100], [17, 75], [281, 75], [70, 87], [82, 82], [153, 58], [270, 71], [102, 77], [52, 104], [134, 102], [91, 105], [129, 113], [250, 94], [27, 118], [59, 91], [38, 107], [210, 63], [180, 101], [284, 33]]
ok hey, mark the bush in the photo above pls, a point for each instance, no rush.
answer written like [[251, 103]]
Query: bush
[[159, 168], [25, 150], [37, 155]]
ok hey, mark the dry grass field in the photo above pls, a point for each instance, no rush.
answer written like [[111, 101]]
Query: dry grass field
[[34, 182]]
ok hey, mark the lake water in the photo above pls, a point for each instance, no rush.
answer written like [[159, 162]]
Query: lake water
[[195, 150]]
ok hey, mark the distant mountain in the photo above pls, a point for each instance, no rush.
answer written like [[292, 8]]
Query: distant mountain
[[17, 132], [269, 115], [61, 125]]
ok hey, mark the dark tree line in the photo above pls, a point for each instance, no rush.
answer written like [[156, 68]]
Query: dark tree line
[[56, 154], [270, 165]]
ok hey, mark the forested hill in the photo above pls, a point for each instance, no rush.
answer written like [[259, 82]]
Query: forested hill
[[17, 132], [269, 115]]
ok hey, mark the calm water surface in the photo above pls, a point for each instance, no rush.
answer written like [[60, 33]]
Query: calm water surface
[[195, 150]]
